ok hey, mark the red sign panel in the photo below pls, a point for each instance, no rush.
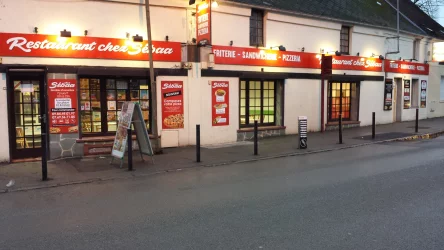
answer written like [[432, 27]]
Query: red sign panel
[[203, 22], [357, 63], [172, 104], [276, 58], [406, 67], [258, 57], [220, 108], [35, 45], [62, 104]]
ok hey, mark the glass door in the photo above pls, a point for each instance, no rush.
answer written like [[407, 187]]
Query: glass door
[[24, 111]]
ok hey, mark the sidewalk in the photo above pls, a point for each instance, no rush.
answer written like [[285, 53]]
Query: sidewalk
[[72, 171]]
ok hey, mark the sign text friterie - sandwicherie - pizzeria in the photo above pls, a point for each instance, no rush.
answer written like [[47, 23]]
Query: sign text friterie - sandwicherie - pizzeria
[[275, 58], [35, 45]]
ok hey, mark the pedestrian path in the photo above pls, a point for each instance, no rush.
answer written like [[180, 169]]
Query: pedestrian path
[[71, 171]]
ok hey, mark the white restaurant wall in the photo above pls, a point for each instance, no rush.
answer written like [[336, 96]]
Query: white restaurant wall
[[182, 133], [231, 24], [294, 33], [372, 100], [366, 42], [435, 107], [201, 104], [4, 136], [302, 98]]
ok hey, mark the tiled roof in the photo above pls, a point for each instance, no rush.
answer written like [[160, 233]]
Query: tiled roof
[[370, 12]]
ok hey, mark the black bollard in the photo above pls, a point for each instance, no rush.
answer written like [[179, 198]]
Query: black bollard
[[255, 138], [130, 149], [340, 128], [373, 125], [417, 121], [197, 143]]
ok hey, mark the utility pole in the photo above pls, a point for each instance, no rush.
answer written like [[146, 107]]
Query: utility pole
[[157, 147]]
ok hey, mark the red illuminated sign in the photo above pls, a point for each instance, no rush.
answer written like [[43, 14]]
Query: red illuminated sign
[[406, 67], [35, 45], [275, 58], [203, 22], [62, 101], [357, 63], [258, 57]]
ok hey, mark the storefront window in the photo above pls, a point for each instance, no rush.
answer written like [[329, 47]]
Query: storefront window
[[102, 100], [258, 102], [343, 98]]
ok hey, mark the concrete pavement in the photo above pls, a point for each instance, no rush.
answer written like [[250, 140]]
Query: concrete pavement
[[382, 196], [73, 171]]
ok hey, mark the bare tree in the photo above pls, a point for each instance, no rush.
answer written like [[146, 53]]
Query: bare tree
[[430, 7]]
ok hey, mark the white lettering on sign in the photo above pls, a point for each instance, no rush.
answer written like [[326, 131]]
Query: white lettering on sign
[[225, 53], [372, 63], [393, 65], [406, 66], [366, 64], [421, 68], [62, 85], [291, 58], [220, 85], [172, 86], [23, 44], [259, 55]]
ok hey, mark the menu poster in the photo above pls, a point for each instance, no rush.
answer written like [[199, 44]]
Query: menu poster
[[220, 108], [172, 104], [62, 100], [121, 138], [423, 93], [406, 94], [388, 94]]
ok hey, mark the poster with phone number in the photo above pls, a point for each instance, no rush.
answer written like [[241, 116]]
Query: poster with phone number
[[62, 100], [220, 105], [423, 93]]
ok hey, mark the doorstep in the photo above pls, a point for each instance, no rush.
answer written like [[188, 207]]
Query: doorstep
[[247, 134], [345, 124], [102, 145]]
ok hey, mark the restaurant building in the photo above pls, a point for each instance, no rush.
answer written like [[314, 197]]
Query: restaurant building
[[254, 63]]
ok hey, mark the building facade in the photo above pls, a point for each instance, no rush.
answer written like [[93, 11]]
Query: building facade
[[257, 63]]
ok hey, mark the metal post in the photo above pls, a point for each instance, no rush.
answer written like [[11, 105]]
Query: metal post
[[157, 146], [44, 153], [373, 125], [197, 143], [255, 138], [340, 128], [417, 121], [130, 149]]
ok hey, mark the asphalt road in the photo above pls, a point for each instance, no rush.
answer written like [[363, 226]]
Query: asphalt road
[[388, 196]]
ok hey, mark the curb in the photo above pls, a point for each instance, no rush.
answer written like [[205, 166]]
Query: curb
[[408, 138]]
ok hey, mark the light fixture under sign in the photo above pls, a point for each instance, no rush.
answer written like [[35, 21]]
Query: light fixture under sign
[[65, 33], [137, 38]]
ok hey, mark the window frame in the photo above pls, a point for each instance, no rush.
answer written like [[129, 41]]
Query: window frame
[[347, 40], [247, 103], [329, 100], [257, 32], [104, 103]]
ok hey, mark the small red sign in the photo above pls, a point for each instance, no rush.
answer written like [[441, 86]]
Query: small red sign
[[406, 67], [220, 108], [172, 104], [35, 45], [62, 100], [203, 22]]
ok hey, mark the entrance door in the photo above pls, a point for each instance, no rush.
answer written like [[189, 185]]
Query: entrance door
[[399, 99], [25, 105]]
